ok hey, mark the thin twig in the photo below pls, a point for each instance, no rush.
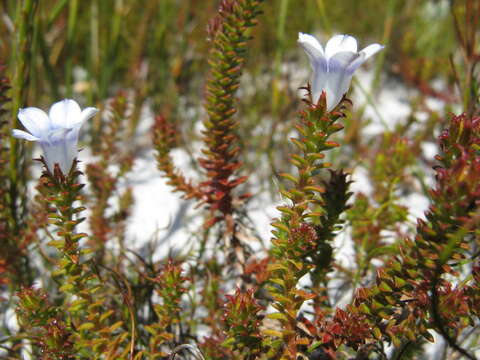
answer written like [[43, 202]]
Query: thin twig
[[438, 320], [193, 349]]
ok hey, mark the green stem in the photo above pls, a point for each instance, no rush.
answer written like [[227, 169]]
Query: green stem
[[282, 15], [71, 26], [44, 53], [20, 68]]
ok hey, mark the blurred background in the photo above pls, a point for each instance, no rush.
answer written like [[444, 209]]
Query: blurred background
[[90, 49], [156, 52]]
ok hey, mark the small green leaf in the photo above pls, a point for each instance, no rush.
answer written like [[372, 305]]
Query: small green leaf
[[399, 282], [289, 177], [384, 287], [278, 316], [315, 345], [364, 309], [274, 333], [86, 326], [377, 333]]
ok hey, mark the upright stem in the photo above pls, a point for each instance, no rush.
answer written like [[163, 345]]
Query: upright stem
[[20, 68], [72, 23]]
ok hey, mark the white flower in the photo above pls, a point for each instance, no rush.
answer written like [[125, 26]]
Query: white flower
[[56, 132], [333, 68]]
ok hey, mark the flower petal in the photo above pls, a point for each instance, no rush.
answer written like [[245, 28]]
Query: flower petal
[[335, 89], [319, 79], [55, 154], [20, 134], [311, 46], [57, 136], [34, 120], [340, 43], [71, 152], [369, 51], [318, 62], [64, 114], [72, 134], [61, 148], [339, 77], [87, 113]]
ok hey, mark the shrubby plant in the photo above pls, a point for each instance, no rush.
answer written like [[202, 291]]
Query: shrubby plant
[[74, 286]]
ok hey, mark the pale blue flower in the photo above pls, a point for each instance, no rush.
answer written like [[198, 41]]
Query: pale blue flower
[[333, 68], [56, 132]]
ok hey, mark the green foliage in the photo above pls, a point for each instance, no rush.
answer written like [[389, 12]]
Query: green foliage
[[301, 236], [45, 327], [87, 314], [242, 322], [413, 280], [228, 33], [170, 286], [83, 289]]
